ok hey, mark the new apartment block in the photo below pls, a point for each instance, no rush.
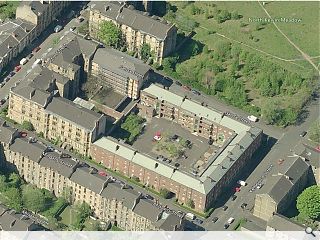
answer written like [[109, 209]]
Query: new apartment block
[[40, 13], [281, 189], [57, 118], [58, 172], [137, 27], [124, 74], [202, 184]]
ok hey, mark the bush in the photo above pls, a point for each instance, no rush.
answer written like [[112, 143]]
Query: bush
[[165, 193], [56, 208], [190, 203], [27, 126]]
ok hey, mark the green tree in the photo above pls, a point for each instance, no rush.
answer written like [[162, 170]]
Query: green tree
[[110, 34], [235, 15], [3, 183], [314, 131], [27, 126], [165, 193], [145, 52], [308, 202], [33, 199], [190, 203], [83, 212], [15, 180], [13, 198]]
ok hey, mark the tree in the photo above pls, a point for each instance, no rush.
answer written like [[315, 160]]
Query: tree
[[13, 197], [308, 202], [190, 203], [27, 126], [145, 52], [33, 199], [83, 212], [110, 34], [3, 183], [165, 193], [235, 15], [314, 131], [15, 180]]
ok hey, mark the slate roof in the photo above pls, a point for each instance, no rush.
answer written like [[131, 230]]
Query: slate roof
[[132, 18], [6, 132], [282, 223], [72, 112], [120, 63], [33, 151], [28, 92], [146, 209], [92, 181], [169, 223], [65, 166]]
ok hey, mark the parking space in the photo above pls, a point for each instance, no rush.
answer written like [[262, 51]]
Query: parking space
[[172, 134]]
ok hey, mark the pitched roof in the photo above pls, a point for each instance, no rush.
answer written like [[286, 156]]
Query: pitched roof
[[134, 19], [89, 178], [6, 132], [64, 166], [70, 111], [282, 223], [120, 63], [146, 209], [28, 92], [33, 151]]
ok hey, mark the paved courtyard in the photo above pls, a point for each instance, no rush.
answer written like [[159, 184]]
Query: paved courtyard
[[146, 144]]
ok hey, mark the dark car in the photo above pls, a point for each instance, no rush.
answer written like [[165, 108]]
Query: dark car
[[149, 196], [30, 56], [196, 92], [303, 134], [226, 226], [215, 219], [11, 74], [174, 137], [178, 83], [234, 197], [243, 205], [2, 101], [224, 208], [199, 221], [36, 49]]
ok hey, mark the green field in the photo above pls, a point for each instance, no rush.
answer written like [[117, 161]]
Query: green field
[[267, 39]]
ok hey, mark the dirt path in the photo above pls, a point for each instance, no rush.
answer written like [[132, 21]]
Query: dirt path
[[304, 55]]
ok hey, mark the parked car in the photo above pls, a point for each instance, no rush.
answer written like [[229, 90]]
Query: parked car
[[234, 197], [57, 28], [2, 101], [302, 134], [224, 208], [253, 118], [195, 92], [178, 83], [6, 79], [30, 56], [243, 205], [72, 29], [36, 49], [187, 88], [190, 216], [260, 186], [215, 219], [17, 68], [198, 221], [1, 84], [230, 220], [80, 19], [226, 226]]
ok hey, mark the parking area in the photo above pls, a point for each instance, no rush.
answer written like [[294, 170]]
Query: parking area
[[174, 145]]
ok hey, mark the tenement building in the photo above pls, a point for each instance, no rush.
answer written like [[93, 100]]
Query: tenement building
[[282, 189], [58, 172], [56, 118], [202, 180], [137, 28], [124, 74], [40, 13]]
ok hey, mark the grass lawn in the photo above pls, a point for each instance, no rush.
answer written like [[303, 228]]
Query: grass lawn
[[68, 216], [269, 39], [115, 228]]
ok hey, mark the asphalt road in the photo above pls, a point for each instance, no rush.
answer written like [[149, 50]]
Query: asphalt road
[[46, 45]]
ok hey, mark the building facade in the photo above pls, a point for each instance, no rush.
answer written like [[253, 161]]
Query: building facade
[[65, 176], [58, 119], [40, 13], [279, 192], [124, 74], [137, 28]]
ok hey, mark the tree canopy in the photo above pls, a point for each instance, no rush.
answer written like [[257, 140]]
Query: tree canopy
[[110, 34], [145, 52], [27, 126], [34, 199], [308, 202]]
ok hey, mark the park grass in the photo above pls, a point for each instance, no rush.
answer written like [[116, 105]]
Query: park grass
[[68, 216], [270, 40]]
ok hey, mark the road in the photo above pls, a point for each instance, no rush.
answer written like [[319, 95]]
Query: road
[[281, 149], [46, 45]]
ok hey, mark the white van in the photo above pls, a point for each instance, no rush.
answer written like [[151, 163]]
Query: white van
[[253, 118], [242, 183], [23, 61], [230, 220], [38, 61], [190, 216]]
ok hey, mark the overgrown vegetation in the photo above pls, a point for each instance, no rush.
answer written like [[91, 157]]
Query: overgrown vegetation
[[110, 34], [8, 9], [133, 126], [165, 193], [84, 28], [314, 131], [83, 212], [27, 126]]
